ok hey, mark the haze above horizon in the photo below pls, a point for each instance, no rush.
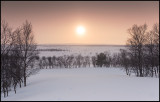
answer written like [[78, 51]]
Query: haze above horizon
[[81, 22]]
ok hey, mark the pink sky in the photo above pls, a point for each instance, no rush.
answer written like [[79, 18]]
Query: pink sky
[[106, 22]]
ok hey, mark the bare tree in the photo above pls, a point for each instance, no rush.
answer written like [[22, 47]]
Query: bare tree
[[108, 58], [6, 37], [6, 46], [101, 60], [136, 42], [17, 55], [94, 61], [156, 42], [124, 56], [28, 47], [152, 51]]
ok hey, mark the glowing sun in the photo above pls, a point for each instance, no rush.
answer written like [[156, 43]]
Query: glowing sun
[[80, 30]]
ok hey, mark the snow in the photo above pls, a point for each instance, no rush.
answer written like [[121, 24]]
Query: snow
[[86, 84], [85, 50]]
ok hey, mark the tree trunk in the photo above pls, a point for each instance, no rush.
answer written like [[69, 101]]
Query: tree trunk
[[20, 84], [25, 76], [24, 81]]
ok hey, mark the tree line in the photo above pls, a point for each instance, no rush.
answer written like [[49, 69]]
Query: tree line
[[141, 56], [18, 53], [51, 50]]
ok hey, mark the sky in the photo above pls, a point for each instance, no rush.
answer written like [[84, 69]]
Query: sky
[[105, 22]]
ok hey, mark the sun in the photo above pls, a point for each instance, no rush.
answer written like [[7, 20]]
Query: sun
[[80, 30]]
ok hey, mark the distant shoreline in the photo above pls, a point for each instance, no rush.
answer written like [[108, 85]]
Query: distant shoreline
[[78, 45]]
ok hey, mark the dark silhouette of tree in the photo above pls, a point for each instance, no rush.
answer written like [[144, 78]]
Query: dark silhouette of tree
[[136, 46], [6, 47], [101, 60], [94, 61], [28, 46], [152, 52], [125, 61]]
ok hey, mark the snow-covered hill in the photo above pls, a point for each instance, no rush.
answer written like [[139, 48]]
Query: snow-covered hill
[[86, 84]]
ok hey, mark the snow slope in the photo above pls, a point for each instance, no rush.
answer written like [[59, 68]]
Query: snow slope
[[86, 84]]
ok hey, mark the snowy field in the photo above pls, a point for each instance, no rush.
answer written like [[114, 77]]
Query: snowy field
[[82, 84], [85, 50], [86, 84]]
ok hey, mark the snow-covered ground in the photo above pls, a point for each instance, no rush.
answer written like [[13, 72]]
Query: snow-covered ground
[[86, 84], [84, 50]]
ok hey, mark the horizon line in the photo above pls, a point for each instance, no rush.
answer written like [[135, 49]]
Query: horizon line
[[86, 44]]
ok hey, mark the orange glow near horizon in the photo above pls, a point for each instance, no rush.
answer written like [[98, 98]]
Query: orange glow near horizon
[[101, 22]]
